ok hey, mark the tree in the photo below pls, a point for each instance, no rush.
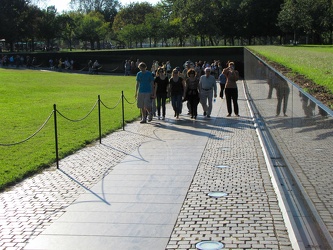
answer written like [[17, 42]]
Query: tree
[[68, 27], [327, 21], [32, 20], [49, 26], [134, 14], [154, 26], [228, 21], [93, 28], [303, 17], [259, 18], [12, 23], [108, 8]]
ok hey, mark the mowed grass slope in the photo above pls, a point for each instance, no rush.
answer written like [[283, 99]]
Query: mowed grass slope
[[26, 103], [314, 62]]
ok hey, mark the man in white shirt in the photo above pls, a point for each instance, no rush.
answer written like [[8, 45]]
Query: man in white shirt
[[208, 86]]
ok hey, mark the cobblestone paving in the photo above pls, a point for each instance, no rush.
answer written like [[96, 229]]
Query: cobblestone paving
[[249, 217], [28, 208]]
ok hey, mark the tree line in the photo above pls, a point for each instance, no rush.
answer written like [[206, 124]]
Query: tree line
[[96, 23]]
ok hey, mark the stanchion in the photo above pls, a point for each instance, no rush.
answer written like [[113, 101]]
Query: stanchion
[[99, 119], [56, 134], [123, 109]]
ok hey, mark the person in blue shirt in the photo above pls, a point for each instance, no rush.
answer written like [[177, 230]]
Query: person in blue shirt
[[144, 91]]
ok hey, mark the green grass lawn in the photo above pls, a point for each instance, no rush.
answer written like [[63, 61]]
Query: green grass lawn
[[26, 102], [314, 62]]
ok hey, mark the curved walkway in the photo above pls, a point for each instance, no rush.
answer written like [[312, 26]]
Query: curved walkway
[[147, 188]]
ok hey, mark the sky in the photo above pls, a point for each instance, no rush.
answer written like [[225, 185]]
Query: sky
[[62, 5]]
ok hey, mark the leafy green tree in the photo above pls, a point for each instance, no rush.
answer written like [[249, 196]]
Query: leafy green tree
[[200, 18], [303, 17], [127, 34], [177, 19], [49, 25], [12, 23], [165, 32], [93, 28], [259, 18], [68, 26], [229, 22], [327, 21], [154, 25], [320, 28], [32, 19], [134, 14], [108, 8]]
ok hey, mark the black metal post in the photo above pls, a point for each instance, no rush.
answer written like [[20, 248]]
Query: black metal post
[[56, 134], [99, 119], [123, 108]]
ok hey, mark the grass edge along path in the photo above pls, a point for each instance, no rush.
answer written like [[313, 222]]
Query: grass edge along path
[[27, 98], [309, 66]]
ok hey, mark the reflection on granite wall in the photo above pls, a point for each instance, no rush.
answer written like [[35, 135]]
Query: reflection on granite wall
[[300, 125]]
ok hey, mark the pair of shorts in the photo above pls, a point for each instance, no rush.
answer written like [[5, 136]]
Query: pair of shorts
[[144, 100]]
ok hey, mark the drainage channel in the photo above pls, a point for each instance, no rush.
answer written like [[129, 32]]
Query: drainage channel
[[304, 231]]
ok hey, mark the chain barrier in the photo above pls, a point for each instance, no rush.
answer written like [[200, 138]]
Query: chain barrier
[[34, 134], [78, 120], [128, 101], [112, 107]]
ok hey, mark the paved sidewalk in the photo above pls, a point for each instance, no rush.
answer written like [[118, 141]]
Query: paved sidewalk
[[147, 188]]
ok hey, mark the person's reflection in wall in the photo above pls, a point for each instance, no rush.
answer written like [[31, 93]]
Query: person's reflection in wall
[[282, 94], [272, 82], [307, 105]]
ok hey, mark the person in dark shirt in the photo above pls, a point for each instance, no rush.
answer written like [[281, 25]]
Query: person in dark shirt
[[192, 92], [161, 84], [177, 91]]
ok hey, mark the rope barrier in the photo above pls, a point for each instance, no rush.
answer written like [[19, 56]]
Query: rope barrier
[[34, 134], [78, 120], [112, 107], [128, 101], [72, 120]]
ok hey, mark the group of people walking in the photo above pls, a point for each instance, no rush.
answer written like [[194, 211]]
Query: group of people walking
[[152, 91]]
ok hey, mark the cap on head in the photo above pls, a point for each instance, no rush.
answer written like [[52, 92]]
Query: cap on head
[[142, 65], [208, 69]]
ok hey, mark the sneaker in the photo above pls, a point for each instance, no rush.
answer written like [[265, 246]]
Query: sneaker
[[143, 121], [163, 118], [228, 115], [205, 113], [159, 117], [208, 116]]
